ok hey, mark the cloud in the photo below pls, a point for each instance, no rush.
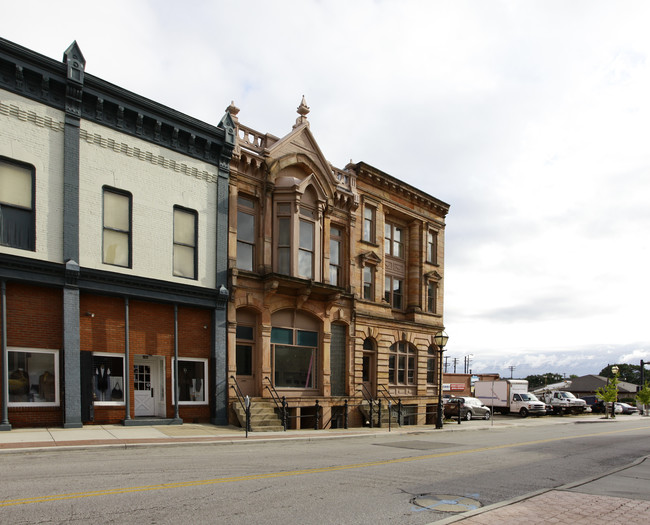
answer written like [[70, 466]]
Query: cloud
[[529, 118]]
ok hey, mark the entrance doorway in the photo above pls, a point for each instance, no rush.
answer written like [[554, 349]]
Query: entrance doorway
[[149, 386], [368, 366]]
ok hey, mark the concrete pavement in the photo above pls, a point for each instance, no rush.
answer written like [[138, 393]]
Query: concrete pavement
[[620, 496]]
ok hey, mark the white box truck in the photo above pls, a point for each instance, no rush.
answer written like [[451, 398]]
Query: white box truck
[[509, 396]]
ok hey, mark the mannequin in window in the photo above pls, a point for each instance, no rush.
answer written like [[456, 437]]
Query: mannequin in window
[[103, 381], [185, 384]]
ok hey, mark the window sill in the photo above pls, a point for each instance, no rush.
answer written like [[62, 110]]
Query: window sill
[[370, 243]]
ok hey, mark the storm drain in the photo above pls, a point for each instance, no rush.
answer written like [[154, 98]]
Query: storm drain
[[446, 502]]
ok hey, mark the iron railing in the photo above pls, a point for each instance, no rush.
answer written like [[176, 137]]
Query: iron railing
[[245, 403], [280, 402]]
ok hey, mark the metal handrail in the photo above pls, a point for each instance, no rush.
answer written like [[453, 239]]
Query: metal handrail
[[392, 401], [387, 395], [371, 404], [238, 393], [280, 402], [242, 401]]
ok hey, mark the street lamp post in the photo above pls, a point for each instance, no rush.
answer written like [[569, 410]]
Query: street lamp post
[[440, 339], [615, 372]]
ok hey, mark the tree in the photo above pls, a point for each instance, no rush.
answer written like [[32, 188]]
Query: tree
[[627, 373], [643, 397], [539, 380], [609, 393]]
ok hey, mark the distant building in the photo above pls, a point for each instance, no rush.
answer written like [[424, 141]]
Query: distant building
[[587, 385]]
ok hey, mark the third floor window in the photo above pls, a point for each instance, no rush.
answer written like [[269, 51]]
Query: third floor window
[[245, 233], [394, 240]]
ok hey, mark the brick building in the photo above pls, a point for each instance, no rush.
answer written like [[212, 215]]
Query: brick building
[[336, 279], [113, 216]]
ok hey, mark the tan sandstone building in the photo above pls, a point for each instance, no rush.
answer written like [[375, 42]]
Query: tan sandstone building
[[336, 281]]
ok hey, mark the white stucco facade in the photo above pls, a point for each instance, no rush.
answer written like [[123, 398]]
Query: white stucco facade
[[32, 133], [157, 179]]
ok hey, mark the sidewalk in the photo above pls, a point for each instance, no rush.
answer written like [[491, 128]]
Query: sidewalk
[[126, 436]]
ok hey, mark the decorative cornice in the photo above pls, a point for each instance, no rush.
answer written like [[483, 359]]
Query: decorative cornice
[[59, 85]]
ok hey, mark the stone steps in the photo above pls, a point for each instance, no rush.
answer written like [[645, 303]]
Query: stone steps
[[264, 418], [364, 408]]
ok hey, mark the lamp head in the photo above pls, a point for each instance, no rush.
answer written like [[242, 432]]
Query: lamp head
[[441, 339]]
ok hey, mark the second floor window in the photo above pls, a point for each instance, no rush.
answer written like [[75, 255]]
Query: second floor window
[[298, 235], [245, 233], [369, 283], [284, 238], [306, 247], [336, 243], [432, 297], [394, 291], [17, 224], [185, 243], [117, 228]]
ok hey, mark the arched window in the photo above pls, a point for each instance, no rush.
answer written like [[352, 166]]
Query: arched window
[[432, 365], [295, 340], [401, 364]]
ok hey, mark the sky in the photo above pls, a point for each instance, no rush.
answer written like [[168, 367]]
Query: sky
[[530, 118]]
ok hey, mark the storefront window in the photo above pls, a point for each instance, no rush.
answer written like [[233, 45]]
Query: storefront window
[[33, 377], [108, 378], [192, 383], [295, 354]]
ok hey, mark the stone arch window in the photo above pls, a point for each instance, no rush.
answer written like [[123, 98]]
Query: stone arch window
[[401, 364], [295, 343]]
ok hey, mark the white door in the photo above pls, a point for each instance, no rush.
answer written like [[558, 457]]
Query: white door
[[143, 387]]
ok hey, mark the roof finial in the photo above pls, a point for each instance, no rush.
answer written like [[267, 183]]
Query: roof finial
[[303, 110]]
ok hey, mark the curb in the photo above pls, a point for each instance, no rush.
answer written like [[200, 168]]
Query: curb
[[513, 501]]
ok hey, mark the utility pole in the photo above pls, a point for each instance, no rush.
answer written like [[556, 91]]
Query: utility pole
[[455, 363], [446, 357], [642, 373], [512, 368]]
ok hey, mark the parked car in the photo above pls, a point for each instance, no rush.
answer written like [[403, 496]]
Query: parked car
[[626, 409], [470, 408], [598, 406]]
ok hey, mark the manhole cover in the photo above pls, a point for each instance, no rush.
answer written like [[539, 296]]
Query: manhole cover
[[446, 503]]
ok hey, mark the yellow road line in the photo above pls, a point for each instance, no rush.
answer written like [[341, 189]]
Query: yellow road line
[[270, 475]]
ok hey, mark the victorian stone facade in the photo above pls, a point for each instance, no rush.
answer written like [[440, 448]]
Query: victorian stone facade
[[336, 279]]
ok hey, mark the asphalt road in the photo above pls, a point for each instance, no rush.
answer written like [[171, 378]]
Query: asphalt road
[[388, 478]]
